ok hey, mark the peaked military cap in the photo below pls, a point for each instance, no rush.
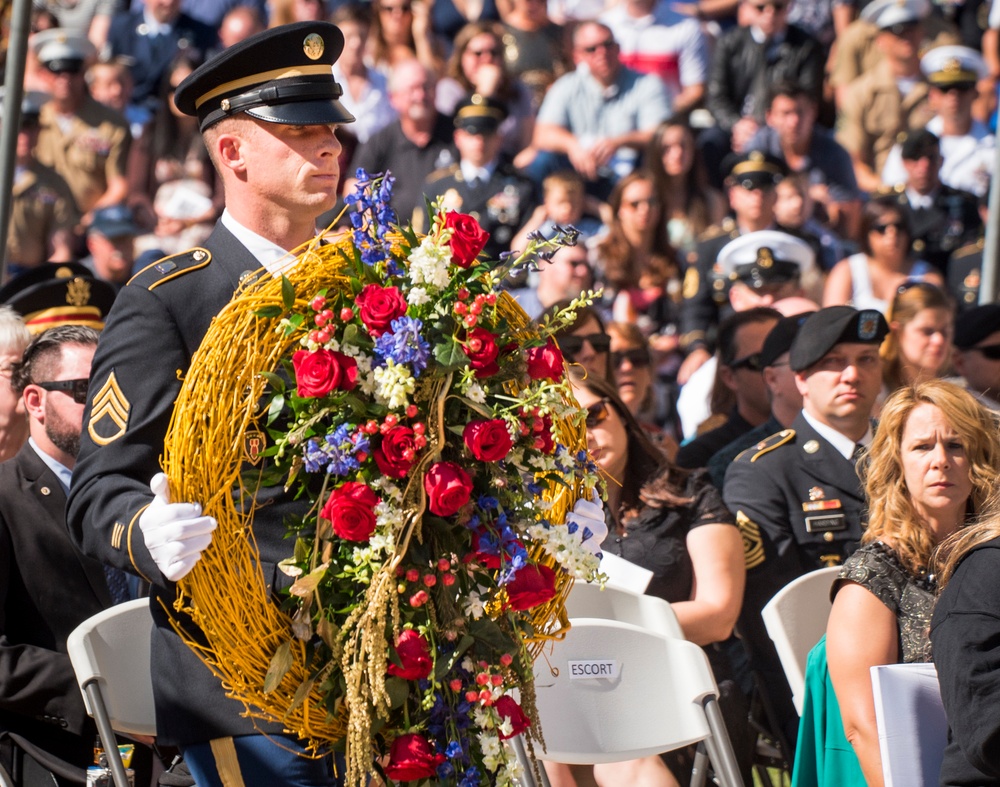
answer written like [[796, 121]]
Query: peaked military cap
[[62, 293], [765, 257], [831, 326], [281, 75], [889, 13], [953, 65], [480, 114], [753, 170], [61, 50]]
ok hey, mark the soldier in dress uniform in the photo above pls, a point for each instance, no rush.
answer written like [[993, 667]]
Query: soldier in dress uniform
[[43, 211], [483, 183], [750, 185], [268, 110], [942, 218], [796, 495]]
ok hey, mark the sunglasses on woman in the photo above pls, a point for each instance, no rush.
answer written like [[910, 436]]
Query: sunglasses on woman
[[572, 344], [991, 351], [637, 356], [77, 389], [882, 229], [597, 413]]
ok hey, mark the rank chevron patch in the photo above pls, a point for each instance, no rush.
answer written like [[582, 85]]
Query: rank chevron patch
[[108, 413]]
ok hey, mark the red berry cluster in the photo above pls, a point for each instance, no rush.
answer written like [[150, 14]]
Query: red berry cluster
[[469, 312], [440, 572]]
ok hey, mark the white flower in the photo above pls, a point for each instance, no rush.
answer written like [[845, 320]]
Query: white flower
[[394, 385], [429, 264], [474, 606], [418, 296], [476, 393]]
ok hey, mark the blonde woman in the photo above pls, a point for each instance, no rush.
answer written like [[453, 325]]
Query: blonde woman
[[931, 467]]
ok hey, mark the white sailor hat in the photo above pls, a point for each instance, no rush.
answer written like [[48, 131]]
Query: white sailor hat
[[62, 50], [888, 13], [953, 65], [766, 257]]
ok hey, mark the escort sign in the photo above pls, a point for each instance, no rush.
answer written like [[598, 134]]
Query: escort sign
[[594, 668]]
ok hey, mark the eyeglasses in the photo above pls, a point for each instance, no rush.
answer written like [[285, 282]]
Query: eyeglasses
[[571, 344], [492, 52], [901, 28], [778, 7], [635, 204], [597, 413], [405, 8], [882, 229], [755, 185], [74, 388], [991, 351], [637, 356], [961, 87], [606, 44], [751, 362]]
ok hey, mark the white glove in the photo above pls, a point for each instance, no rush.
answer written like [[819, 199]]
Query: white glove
[[175, 533], [588, 518]]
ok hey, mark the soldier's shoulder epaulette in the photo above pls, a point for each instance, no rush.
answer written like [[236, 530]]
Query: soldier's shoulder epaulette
[[442, 173], [714, 232], [170, 268], [768, 444], [969, 249]]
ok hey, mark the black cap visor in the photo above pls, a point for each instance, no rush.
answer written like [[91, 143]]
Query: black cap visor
[[303, 113]]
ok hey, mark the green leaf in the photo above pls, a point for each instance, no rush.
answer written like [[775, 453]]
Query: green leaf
[[305, 585], [300, 694], [269, 312], [350, 334], [276, 381], [398, 690], [491, 634], [275, 408], [287, 293], [450, 354], [296, 320], [281, 662]]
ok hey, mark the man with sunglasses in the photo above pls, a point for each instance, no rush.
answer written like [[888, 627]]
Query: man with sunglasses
[[966, 144], [977, 352], [796, 495], [890, 99], [47, 587], [82, 140]]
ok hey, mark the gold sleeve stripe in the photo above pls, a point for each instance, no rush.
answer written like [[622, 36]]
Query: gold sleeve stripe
[[753, 544], [116, 535], [131, 555]]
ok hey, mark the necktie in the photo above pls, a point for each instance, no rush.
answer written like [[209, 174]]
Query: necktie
[[858, 452], [117, 584]]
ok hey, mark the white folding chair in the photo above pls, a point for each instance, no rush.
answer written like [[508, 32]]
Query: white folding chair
[[110, 656], [912, 725], [795, 620], [620, 689]]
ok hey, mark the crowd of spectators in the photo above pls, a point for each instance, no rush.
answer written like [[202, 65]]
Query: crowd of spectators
[[730, 166]]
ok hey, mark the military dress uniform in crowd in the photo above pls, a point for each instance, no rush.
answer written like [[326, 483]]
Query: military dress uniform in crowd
[[797, 498], [498, 196], [964, 275], [706, 297], [158, 322]]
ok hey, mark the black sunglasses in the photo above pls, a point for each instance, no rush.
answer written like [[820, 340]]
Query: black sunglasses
[[638, 356], [75, 388], [778, 7], [751, 362], [597, 413], [571, 344], [991, 351], [608, 44], [961, 87], [901, 28], [882, 229]]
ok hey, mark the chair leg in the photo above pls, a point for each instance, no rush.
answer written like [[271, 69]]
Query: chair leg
[[107, 734], [528, 765], [699, 773], [720, 748]]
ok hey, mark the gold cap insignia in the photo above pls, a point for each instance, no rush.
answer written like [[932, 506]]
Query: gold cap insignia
[[811, 447], [952, 65], [756, 155], [253, 446], [691, 282], [764, 257], [313, 46], [224, 105], [78, 292], [108, 413]]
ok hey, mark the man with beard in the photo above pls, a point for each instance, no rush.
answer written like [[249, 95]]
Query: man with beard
[[47, 587]]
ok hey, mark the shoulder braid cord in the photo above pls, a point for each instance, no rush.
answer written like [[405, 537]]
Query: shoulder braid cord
[[226, 595]]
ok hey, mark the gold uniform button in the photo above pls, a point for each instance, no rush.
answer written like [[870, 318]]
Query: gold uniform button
[[828, 536], [45, 491]]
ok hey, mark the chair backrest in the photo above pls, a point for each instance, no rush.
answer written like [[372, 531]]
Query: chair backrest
[[629, 691], [112, 648], [795, 620], [589, 601], [912, 725]]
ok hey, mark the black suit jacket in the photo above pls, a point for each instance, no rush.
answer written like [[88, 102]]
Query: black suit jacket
[[157, 322], [47, 588]]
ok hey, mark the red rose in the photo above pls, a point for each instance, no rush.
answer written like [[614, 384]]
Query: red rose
[[531, 586], [488, 441], [414, 655], [411, 757], [389, 455], [481, 347], [448, 488], [508, 708], [351, 511], [467, 238], [379, 306], [318, 372], [543, 437], [545, 363]]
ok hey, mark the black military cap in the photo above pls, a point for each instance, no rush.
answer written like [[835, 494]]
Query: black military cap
[[976, 324], [831, 326], [282, 75], [779, 340], [920, 143], [55, 294], [480, 115], [753, 170]]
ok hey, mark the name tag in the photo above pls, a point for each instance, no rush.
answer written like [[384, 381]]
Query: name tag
[[594, 668], [825, 524]]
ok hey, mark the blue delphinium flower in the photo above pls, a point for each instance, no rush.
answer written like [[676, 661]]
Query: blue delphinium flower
[[404, 344]]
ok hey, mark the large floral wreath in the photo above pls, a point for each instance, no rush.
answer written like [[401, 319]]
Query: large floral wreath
[[429, 431]]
